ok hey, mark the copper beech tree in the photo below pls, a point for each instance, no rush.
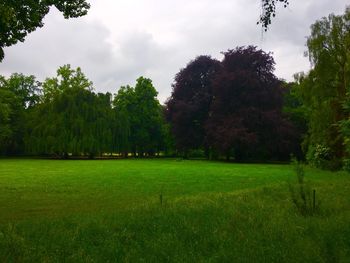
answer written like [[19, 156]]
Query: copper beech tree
[[189, 104], [233, 107]]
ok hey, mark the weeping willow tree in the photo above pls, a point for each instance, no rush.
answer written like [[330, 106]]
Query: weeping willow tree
[[71, 118]]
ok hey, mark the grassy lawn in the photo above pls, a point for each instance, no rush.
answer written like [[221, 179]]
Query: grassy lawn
[[110, 211]]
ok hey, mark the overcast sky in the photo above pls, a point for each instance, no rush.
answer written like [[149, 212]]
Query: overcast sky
[[120, 40]]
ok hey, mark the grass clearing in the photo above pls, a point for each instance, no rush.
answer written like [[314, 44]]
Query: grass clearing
[[110, 211]]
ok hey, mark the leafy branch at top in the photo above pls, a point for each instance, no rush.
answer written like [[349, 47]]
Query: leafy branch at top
[[269, 11], [18, 18]]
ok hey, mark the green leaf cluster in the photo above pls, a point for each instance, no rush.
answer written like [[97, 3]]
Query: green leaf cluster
[[18, 95], [63, 116], [325, 89], [18, 18], [139, 119]]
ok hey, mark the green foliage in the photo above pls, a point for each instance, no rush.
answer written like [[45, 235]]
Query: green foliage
[[167, 143], [64, 116], [19, 18], [301, 193], [318, 156], [346, 164], [297, 113], [71, 118], [25, 88], [148, 117], [66, 79], [345, 130], [139, 119], [269, 11], [324, 90], [293, 106], [18, 95], [6, 97]]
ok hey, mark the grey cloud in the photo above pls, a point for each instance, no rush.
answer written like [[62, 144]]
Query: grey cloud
[[117, 42], [86, 45], [59, 43]]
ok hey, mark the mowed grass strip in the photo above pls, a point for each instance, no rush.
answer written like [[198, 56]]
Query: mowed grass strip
[[110, 211], [52, 187]]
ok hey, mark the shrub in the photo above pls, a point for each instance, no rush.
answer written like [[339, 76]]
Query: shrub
[[302, 197], [346, 164], [320, 156]]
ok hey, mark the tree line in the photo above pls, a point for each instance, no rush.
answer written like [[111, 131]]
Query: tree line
[[235, 108], [63, 116], [231, 108]]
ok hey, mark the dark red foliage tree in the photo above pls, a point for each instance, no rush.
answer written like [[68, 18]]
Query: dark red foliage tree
[[246, 119], [188, 107]]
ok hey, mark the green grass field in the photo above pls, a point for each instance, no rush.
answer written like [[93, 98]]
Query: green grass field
[[110, 211]]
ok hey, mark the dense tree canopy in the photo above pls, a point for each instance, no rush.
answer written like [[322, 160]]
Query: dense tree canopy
[[124, 104], [139, 119], [20, 17], [233, 107], [71, 118], [325, 89], [246, 114], [63, 116], [18, 94], [7, 114], [188, 106]]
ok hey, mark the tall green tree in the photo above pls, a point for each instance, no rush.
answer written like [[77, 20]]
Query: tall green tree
[[18, 18], [7, 100], [71, 118], [124, 104], [139, 119], [325, 89], [18, 95], [26, 88], [148, 118]]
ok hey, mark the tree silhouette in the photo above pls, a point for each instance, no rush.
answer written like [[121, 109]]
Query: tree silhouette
[[246, 113], [188, 106]]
